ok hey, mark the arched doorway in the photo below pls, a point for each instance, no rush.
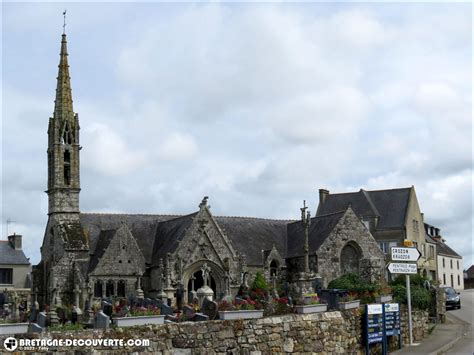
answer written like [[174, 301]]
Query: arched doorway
[[196, 282], [192, 276], [350, 256]]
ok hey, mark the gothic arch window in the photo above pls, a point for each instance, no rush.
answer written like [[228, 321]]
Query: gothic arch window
[[350, 256], [67, 167], [67, 136], [121, 288], [109, 289], [98, 289]]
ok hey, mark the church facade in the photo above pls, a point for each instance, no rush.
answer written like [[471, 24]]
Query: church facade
[[87, 256]]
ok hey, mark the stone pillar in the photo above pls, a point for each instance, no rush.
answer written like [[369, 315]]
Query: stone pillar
[[115, 287]]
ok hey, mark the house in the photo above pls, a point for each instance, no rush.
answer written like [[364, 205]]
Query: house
[[392, 216], [450, 264], [469, 277], [15, 268]]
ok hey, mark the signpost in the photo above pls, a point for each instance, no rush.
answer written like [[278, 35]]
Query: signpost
[[401, 268], [405, 254]]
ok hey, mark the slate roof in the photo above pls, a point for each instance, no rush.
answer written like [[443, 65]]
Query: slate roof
[[74, 236], [470, 271], [103, 241], [168, 236], [444, 249], [249, 236], [143, 228], [389, 205], [319, 230], [8, 255]]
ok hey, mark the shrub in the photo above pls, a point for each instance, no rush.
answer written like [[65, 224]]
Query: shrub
[[420, 296], [259, 283], [354, 283]]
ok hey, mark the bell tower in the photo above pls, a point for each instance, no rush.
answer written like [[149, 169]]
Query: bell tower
[[63, 147]]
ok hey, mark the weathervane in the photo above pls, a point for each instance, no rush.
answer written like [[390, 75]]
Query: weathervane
[[64, 25]]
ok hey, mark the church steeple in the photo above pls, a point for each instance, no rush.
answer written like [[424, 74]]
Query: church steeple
[[63, 102], [63, 145]]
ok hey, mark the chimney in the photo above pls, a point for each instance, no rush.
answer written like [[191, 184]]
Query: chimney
[[15, 241], [322, 195]]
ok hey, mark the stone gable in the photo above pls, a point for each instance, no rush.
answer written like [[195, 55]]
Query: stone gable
[[121, 257]]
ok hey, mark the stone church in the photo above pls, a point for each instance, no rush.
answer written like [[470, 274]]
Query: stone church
[[88, 256]]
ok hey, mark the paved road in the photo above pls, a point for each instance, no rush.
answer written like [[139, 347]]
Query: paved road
[[465, 345]]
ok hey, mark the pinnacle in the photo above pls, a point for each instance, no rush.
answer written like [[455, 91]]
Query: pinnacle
[[63, 102]]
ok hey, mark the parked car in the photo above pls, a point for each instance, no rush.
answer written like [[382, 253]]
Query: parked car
[[453, 298]]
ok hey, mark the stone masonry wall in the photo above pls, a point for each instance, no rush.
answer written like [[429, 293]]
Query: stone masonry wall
[[326, 333]]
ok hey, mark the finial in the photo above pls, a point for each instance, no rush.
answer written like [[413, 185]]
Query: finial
[[64, 25]]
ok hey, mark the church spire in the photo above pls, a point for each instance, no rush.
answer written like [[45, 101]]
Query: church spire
[[63, 145], [63, 103]]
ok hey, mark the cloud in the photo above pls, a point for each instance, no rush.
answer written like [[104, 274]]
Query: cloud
[[107, 152], [255, 105], [178, 146]]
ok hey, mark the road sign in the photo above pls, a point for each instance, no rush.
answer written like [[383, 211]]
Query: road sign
[[405, 254], [402, 268]]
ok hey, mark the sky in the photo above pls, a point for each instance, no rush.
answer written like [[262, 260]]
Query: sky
[[255, 105]]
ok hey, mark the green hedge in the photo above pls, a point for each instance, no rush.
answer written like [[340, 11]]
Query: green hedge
[[354, 283], [420, 296]]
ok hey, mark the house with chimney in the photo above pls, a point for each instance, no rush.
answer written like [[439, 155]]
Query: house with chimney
[[449, 262], [15, 268], [392, 216]]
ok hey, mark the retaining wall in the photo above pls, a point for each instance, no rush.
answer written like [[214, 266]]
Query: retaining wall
[[338, 332]]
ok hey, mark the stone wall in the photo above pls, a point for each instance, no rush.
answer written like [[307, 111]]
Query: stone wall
[[420, 325], [329, 332], [350, 230]]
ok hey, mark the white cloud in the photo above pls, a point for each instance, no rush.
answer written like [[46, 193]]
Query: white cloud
[[107, 152], [255, 105], [178, 146]]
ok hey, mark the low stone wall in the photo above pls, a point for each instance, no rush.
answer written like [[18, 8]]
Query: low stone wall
[[420, 325], [329, 332]]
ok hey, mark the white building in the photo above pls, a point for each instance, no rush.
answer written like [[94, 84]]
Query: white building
[[449, 263]]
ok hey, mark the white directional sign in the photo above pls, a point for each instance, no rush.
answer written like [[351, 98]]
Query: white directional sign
[[405, 254], [402, 268]]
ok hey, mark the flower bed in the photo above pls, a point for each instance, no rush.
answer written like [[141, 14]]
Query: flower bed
[[242, 314], [349, 304], [311, 308], [138, 320], [13, 328], [383, 298]]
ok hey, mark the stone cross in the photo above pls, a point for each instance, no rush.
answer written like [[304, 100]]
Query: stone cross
[[205, 273], [306, 220]]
